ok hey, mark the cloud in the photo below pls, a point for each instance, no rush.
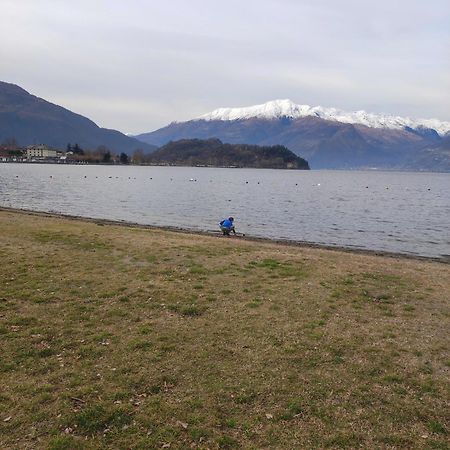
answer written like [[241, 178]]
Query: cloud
[[138, 65]]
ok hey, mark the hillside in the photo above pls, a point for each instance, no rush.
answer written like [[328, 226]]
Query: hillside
[[435, 158], [212, 152], [32, 120], [326, 141]]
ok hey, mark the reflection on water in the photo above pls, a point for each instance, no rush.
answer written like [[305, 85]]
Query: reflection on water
[[390, 211]]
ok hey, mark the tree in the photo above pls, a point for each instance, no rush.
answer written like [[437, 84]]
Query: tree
[[107, 157], [138, 156], [123, 158], [103, 154], [10, 144], [77, 150]]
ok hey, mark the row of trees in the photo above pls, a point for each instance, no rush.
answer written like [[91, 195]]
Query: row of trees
[[101, 155], [10, 148], [104, 155], [10, 144]]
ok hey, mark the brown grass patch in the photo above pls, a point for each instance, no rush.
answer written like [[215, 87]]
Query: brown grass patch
[[114, 337]]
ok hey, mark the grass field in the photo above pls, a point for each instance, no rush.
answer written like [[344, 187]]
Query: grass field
[[121, 337]]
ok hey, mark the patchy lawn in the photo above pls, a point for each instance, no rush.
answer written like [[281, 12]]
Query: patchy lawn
[[121, 337]]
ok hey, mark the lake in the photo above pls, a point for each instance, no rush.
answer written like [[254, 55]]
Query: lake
[[399, 212]]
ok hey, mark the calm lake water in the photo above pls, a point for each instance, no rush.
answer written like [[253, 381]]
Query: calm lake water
[[390, 211]]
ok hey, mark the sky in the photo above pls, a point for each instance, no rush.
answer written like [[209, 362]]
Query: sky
[[138, 65]]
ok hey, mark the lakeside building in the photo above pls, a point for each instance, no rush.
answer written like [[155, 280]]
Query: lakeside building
[[11, 154], [41, 151]]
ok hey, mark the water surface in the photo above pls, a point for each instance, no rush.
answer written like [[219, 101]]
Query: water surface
[[389, 211]]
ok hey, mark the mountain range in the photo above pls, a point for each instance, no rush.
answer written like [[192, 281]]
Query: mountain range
[[31, 120], [326, 137]]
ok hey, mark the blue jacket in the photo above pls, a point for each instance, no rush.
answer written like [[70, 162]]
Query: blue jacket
[[226, 224]]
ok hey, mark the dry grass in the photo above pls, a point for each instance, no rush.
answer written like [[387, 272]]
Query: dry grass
[[114, 337]]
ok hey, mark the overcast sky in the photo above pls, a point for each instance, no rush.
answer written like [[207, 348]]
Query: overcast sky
[[137, 65]]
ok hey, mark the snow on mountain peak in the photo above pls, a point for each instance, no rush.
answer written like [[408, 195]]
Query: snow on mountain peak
[[277, 109], [270, 110]]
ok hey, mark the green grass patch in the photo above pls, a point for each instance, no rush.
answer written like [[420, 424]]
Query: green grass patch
[[97, 418]]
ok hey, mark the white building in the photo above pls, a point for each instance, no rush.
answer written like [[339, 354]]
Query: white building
[[40, 151]]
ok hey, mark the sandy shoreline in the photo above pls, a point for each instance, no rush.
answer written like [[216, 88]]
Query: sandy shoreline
[[284, 242]]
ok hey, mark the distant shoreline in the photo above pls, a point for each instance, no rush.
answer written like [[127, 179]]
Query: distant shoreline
[[284, 242], [312, 169], [55, 163]]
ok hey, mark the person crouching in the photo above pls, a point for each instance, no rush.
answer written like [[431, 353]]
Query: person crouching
[[227, 226]]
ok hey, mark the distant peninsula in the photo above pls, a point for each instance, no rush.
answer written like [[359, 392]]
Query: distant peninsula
[[214, 153]]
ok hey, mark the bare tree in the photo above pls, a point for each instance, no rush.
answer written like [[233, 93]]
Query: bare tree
[[138, 156]]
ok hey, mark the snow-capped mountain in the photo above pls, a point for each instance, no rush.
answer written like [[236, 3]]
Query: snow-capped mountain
[[325, 137], [278, 109]]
